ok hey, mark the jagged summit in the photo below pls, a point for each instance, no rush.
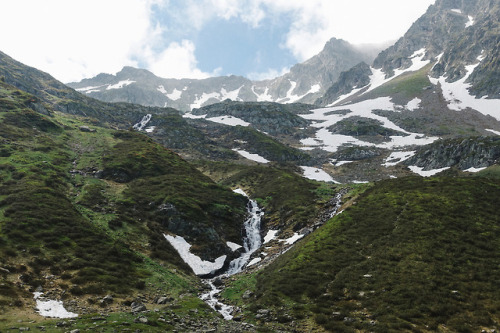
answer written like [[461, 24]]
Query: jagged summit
[[305, 82]]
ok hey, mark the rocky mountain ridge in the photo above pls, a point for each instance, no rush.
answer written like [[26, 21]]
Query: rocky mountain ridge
[[305, 82]]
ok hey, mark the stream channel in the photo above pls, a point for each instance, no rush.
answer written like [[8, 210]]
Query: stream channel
[[251, 243]]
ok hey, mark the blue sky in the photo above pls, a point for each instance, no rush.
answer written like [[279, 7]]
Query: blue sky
[[75, 39]]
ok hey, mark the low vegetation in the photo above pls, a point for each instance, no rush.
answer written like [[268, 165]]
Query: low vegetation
[[413, 254]]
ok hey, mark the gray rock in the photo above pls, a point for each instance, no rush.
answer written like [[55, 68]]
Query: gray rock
[[247, 294], [141, 320], [137, 307], [86, 129]]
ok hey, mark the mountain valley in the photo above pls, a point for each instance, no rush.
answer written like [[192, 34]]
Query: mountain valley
[[352, 194]]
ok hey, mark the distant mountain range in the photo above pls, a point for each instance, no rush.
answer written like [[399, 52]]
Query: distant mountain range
[[305, 82]]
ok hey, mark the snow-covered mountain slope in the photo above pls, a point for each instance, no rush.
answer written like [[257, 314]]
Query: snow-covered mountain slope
[[305, 82]]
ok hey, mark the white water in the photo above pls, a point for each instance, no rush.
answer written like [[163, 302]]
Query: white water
[[251, 243]]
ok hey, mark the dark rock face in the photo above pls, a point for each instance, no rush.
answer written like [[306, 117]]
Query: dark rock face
[[356, 77], [461, 153], [461, 31]]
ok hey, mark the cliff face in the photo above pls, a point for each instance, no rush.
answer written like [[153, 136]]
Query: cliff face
[[467, 153]]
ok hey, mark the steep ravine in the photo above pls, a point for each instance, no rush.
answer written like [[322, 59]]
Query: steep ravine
[[251, 243]]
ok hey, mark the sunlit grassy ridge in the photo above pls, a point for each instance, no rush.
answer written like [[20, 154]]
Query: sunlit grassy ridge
[[412, 254]]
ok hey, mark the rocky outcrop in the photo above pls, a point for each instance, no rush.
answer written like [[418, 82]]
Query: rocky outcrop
[[305, 82], [467, 153], [356, 77]]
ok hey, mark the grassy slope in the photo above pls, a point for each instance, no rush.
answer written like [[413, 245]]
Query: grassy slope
[[289, 200], [412, 254], [95, 236]]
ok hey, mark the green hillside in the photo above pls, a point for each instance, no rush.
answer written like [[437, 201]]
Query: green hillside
[[88, 207], [412, 254]]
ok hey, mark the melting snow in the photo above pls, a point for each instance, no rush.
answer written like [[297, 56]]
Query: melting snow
[[229, 120], [271, 234], [493, 131], [339, 163], [428, 173], [331, 142], [250, 156], [233, 246], [317, 174], [289, 241], [254, 261], [458, 11], [89, 90], [199, 266], [264, 97], [175, 94], [51, 308], [398, 157], [472, 169], [341, 98], [291, 98], [120, 84], [414, 104], [378, 76], [459, 98], [198, 103], [232, 95], [470, 23], [161, 89]]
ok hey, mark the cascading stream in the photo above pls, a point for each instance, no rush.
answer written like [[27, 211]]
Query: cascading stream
[[251, 243]]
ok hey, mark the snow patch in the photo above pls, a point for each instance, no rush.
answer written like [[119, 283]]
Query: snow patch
[[233, 246], [398, 157], [472, 169], [378, 76], [250, 156], [330, 142], [339, 163], [232, 95], [469, 23], [317, 174], [150, 129], [198, 103], [458, 96], [264, 97], [289, 241], [427, 173], [229, 120], [199, 266], [271, 234], [414, 104], [51, 308], [458, 11], [254, 261], [161, 89], [120, 84], [89, 90], [493, 131]]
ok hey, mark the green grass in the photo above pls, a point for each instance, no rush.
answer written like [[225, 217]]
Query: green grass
[[412, 253]]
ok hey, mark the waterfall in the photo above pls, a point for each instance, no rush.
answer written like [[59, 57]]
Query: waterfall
[[251, 243]]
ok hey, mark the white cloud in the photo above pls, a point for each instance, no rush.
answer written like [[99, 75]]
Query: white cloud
[[81, 38], [269, 74], [73, 39], [176, 61], [316, 21]]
